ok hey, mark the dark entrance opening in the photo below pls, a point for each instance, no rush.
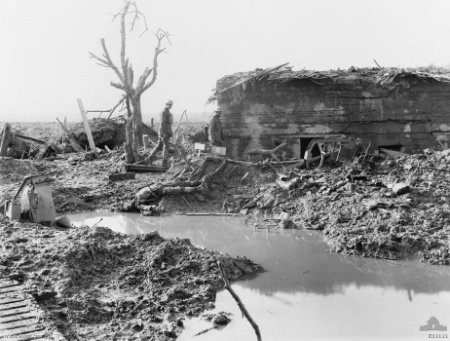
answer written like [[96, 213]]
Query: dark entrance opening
[[394, 147], [304, 143]]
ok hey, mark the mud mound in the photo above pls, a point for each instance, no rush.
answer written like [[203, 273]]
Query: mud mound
[[93, 281], [107, 132], [103, 131]]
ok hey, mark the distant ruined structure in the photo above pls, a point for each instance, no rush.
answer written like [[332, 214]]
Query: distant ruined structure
[[398, 109]]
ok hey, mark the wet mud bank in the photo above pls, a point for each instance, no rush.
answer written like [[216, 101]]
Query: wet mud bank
[[94, 283]]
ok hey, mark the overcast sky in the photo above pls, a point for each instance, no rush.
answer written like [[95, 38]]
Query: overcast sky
[[46, 43]]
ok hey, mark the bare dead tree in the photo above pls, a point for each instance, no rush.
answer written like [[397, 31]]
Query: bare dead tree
[[126, 84]]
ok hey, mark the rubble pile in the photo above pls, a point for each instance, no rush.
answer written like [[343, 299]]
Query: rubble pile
[[97, 284], [398, 210]]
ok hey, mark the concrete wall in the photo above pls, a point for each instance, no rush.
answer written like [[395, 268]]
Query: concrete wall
[[260, 114]]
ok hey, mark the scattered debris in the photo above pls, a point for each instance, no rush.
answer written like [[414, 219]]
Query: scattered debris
[[377, 206]]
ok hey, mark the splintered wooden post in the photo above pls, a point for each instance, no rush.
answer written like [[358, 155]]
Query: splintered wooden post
[[239, 302], [87, 128], [5, 139], [146, 141]]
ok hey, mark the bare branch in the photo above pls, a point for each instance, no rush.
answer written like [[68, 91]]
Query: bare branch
[[163, 34], [103, 61], [118, 86], [115, 107], [141, 82], [109, 60], [160, 35], [103, 65], [137, 15]]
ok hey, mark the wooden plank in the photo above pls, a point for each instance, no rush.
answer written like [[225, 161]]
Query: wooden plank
[[120, 177], [11, 298], [11, 312], [11, 289], [32, 336], [144, 168], [24, 331], [87, 128], [9, 306], [19, 324], [31, 138], [20, 317]]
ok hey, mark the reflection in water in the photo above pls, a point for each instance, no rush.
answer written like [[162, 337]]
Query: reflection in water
[[325, 295]]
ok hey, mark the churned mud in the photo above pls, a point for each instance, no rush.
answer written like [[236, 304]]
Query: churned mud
[[93, 283], [96, 284]]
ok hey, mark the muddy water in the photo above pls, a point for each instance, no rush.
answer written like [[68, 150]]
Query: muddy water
[[305, 292]]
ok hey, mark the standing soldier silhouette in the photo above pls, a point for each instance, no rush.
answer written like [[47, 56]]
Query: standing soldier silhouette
[[165, 133], [215, 130]]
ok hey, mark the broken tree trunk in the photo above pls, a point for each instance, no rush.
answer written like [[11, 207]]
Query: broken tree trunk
[[132, 144], [267, 152], [5, 139]]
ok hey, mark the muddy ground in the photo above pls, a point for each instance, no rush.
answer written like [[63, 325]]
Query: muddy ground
[[96, 284]]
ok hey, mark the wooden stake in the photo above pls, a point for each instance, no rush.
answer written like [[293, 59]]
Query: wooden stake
[[239, 302], [146, 141], [5, 139], [87, 128]]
